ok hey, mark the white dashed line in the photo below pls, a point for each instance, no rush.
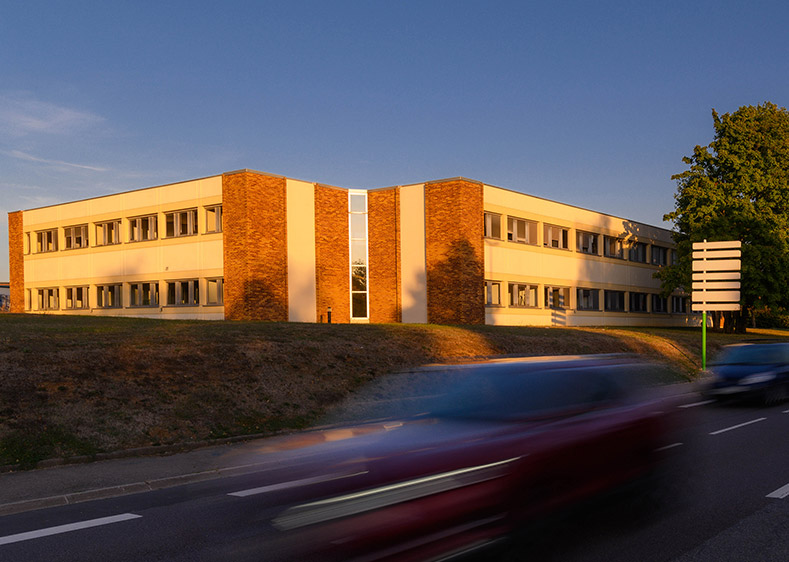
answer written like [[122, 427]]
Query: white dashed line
[[293, 484], [736, 426], [780, 493], [667, 447], [67, 528], [785, 412], [697, 404]]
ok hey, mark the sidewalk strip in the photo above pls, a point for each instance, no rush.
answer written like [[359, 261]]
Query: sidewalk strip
[[67, 528], [702, 403], [780, 493], [725, 429]]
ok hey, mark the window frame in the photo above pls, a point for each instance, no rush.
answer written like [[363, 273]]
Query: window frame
[[493, 289], [675, 299], [102, 230], [193, 292], [182, 219], [488, 226], [663, 309], [217, 219], [642, 306], [595, 307], [594, 246], [70, 236], [564, 238], [48, 298], [662, 252], [72, 298], [109, 292], [513, 291], [48, 244], [619, 244], [136, 230], [633, 252], [359, 271], [220, 289], [563, 296], [529, 228], [607, 302], [137, 293]]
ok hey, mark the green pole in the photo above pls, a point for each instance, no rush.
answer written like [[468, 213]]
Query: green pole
[[703, 341]]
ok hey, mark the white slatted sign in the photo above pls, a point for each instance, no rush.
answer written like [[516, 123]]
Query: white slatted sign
[[716, 274]]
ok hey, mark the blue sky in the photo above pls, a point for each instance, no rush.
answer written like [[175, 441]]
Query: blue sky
[[588, 103]]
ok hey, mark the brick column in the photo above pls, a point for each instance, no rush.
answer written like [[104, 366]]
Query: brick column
[[332, 283], [454, 252], [16, 255], [383, 245], [255, 246]]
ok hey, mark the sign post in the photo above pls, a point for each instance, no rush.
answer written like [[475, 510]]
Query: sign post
[[716, 282]]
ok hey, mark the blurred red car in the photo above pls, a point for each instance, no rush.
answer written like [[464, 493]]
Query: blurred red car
[[471, 453]]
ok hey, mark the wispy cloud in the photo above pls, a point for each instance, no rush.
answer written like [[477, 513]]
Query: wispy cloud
[[22, 115], [30, 158]]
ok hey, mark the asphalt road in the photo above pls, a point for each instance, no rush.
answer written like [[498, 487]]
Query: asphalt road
[[727, 499]]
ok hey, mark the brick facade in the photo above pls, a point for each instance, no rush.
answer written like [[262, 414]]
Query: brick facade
[[16, 253], [383, 221], [255, 246], [332, 253], [454, 252]]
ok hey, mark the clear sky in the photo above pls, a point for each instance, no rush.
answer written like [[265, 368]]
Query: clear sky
[[588, 103]]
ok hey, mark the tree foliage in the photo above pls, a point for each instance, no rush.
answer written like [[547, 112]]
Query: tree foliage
[[737, 188]]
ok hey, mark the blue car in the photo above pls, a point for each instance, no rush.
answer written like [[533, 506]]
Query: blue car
[[751, 371]]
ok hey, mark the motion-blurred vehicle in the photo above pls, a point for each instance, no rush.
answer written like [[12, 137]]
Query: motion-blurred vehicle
[[758, 371], [464, 456]]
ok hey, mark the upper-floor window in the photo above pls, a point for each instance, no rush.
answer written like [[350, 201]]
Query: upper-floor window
[[47, 240], [108, 233], [556, 237], [615, 301], [613, 247], [521, 230], [213, 218], [359, 273], [48, 299], [638, 252], [144, 294], [77, 298], [674, 257], [493, 293], [181, 223], [588, 299], [142, 228], [109, 296], [76, 236], [557, 297], [522, 295], [638, 302], [492, 225], [659, 255], [586, 242], [183, 293]]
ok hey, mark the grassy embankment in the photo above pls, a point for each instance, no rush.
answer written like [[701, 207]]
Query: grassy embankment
[[80, 385]]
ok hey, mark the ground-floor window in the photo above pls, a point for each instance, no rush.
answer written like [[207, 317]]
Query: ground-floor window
[[48, 299], [77, 297], [493, 293], [659, 304], [144, 294], [183, 293], [109, 296], [557, 297], [523, 295], [215, 290], [588, 299], [638, 302], [615, 301], [679, 304]]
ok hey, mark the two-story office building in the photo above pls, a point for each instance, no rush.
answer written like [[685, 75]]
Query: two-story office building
[[249, 245]]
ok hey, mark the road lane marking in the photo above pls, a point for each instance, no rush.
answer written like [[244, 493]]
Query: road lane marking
[[67, 528], [702, 403], [780, 493], [293, 484], [785, 412], [736, 426], [667, 447]]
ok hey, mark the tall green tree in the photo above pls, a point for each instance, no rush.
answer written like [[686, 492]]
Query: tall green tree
[[737, 188]]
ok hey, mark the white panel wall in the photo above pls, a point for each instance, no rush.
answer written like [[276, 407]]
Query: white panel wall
[[413, 272], [302, 297]]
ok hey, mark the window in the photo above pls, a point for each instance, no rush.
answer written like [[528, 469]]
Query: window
[[615, 301], [659, 304], [77, 298], [638, 252], [613, 247], [28, 299], [556, 237], [523, 295], [586, 242], [522, 231], [215, 289], [48, 299], [181, 223], [144, 294], [76, 236], [27, 243], [679, 304], [659, 255], [108, 233], [109, 296], [674, 258], [588, 299], [493, 293], [213, 219], [142, 228], [47, 241], [357, 221], [183, 293], [492, 225], [638, 302], [557, 297]]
